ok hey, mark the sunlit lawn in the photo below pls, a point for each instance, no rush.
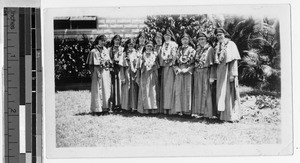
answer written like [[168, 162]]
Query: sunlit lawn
[[76, 127]]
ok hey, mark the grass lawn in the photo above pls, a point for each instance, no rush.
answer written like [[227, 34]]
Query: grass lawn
[[76, 127]]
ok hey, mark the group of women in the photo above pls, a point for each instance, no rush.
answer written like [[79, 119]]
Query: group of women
[[160, 76]]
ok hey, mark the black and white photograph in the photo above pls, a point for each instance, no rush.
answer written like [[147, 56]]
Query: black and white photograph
[[186, 78]]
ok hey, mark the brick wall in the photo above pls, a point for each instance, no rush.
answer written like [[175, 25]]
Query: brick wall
[[125, 27]]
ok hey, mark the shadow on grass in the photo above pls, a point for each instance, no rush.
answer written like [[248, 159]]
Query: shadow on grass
[[258, 92], [72, 86], [93, 114], [255, 92], [178, 118]]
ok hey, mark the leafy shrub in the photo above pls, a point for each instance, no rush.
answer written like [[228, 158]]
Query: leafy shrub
[[70, 58], [191, 24], [257, 40], [260, 65]]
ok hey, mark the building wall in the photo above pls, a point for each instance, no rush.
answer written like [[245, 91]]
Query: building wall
[[125, 27]]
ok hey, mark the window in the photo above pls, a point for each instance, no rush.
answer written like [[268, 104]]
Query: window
[[62, 23], [82, 22]]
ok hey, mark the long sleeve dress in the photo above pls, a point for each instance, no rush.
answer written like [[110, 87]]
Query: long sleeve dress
[[99, 60], [183, 81], [228, 98], [166, 58], [129, 87], [202, 89], [148, 81], [115, 54]]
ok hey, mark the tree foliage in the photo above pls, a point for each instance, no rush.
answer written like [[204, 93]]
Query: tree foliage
[[70, 58], [260, 65], [258, 42], [191, 24]]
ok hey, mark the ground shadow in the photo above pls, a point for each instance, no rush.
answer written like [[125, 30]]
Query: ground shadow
[[72, 86], [178, 118], [260, 92], [92, 114]]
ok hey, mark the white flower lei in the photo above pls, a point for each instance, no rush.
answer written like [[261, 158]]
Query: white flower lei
[[184, 57], [149, 61], [104, 59], [132, 56], [221, 53], [117, 53], [200, 57], [166, 52]]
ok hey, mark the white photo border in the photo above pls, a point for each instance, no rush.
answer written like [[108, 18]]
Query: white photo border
[[281, 11]]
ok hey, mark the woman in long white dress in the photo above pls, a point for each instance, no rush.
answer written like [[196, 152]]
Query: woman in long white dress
[[99, 62], [128, 75], [167, 57], [204, 76], [228, 98], [183, 80], [148, 81]]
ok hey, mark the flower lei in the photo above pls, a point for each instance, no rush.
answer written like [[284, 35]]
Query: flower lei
[[149, 61], [132, 58], [104, 61], [200, 57], [184, 57], [221, 51], [166, 53], [117, 52]]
